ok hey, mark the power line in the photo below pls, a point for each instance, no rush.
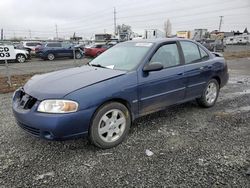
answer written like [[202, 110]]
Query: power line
[[184, 16], [133, 16], [143, 21], [155, 19]]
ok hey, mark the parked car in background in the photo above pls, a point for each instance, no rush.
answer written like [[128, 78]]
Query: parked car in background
[[100, 100], [81, 46], [53, 50], [214, 45], [22, 55], [96, 49], [30, 46]]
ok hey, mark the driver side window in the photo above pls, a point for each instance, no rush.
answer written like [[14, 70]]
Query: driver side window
[[168, 55]]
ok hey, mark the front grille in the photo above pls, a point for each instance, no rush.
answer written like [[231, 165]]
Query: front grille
[[26, 101], [31, 130]]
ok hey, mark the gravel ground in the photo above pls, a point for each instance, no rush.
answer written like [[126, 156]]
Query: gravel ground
[[237, 48], [183, 146], [37, 66]]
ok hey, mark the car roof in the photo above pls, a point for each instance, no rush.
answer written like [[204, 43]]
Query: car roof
[[158, 41]]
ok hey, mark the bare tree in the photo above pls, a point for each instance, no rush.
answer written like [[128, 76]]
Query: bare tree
[[124, 32], [168, 28]]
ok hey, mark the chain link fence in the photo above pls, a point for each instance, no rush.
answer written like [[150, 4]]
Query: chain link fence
[[13, 75]]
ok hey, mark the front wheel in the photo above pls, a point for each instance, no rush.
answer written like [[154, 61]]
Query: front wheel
[[210, 94], [20, 58], [110, 125], [78, 55]]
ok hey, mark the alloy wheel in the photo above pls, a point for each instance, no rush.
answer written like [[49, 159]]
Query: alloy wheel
[[21, 58], [51, 57], [211, 93], [112, 125]]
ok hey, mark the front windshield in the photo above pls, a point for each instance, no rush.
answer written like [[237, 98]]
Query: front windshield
[[124, 56]]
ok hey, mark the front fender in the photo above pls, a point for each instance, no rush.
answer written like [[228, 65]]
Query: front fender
[[122, 87]]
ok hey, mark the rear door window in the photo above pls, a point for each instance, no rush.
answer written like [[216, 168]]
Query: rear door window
[[33, 43], [54, 45], [191, 52], [98, 46]]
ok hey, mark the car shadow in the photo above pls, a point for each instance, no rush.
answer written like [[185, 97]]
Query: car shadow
[[140, 124]]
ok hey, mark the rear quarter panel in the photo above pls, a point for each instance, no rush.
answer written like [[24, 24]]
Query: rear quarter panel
[[220, 70]]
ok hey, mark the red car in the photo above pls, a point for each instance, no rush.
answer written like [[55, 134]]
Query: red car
[[96, 49]]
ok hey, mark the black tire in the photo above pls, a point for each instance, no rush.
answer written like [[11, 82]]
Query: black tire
[[203, 100], [20, 58], [94, 135], [78, 55], [51, 56]]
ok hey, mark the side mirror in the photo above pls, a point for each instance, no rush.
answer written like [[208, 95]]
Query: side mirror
[[154, 66]]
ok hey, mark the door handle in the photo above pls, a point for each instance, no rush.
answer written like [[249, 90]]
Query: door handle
[[180, 74], [205, 67]]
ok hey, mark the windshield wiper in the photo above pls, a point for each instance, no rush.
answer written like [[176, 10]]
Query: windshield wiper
[[98, 65]]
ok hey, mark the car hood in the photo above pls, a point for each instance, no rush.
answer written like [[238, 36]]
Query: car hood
[[60, 83]]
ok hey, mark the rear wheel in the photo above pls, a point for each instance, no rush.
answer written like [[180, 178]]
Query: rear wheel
[[20, 58], [110, 125], [210, 94], [51, 56]]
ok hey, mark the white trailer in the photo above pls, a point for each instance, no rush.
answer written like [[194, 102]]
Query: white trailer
[[154, 33], [240, 39]]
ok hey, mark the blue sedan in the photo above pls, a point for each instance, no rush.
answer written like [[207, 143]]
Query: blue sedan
[[100, 100]]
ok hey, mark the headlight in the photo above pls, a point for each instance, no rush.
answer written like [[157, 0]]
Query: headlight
[[57, 106]]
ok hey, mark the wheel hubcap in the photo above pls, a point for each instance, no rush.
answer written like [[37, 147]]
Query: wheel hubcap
[[211, 93], [51, 57], [112, 125], [20, 59], [78, 56]]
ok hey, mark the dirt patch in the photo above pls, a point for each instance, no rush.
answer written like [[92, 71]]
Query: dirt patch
[[16, 80], [235, 55]]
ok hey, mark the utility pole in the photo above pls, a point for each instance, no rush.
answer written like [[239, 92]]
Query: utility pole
[[1, 34], [114, 20], [221, 17], [30, 34], [56, 32]]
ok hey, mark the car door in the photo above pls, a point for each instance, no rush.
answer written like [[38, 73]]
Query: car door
[[55, 48], [158, 89], [63, 50], [198, 68]]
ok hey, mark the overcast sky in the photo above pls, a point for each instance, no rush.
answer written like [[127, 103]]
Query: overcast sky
[[39, 17]]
